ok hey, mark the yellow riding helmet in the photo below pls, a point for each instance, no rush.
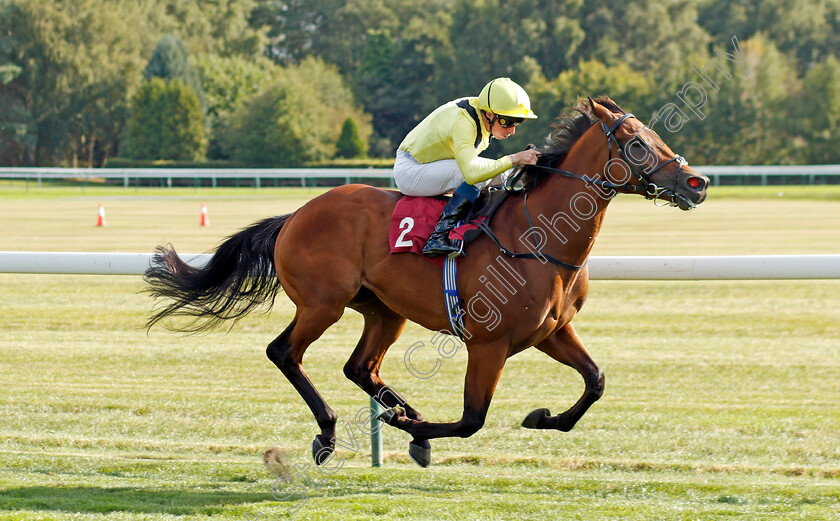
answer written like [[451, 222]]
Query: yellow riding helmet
[[504, 97]]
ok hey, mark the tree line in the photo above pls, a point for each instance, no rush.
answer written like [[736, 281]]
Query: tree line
[[296, 82]]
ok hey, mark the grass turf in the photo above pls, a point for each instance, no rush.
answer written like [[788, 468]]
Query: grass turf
[[721, 400]]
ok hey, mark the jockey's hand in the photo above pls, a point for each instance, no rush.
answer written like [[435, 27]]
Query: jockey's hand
[[526, 157]]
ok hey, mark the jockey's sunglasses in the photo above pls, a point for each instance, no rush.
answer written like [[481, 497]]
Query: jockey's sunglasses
[[508, 121]]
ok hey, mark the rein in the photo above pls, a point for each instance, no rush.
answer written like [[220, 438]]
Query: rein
[[482, 225]]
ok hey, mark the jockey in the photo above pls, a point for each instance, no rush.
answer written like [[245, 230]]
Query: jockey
[[441, 153]]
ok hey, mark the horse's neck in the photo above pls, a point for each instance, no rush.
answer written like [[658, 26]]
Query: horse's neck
[[571, 211]]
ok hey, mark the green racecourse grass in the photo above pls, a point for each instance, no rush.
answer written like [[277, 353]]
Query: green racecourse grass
[[722, 398]]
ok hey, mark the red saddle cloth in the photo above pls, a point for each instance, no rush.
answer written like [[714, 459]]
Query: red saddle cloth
[[414, 220], [412, 223]]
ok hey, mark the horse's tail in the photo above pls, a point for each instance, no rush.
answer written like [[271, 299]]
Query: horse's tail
[[238, 279]]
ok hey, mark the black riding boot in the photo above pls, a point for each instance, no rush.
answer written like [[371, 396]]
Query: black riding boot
[[439, 242]]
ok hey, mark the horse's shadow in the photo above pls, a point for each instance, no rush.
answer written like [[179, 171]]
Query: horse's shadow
[[82, 499]]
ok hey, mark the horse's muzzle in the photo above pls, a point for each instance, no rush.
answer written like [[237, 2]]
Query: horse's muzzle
[[691, 191]]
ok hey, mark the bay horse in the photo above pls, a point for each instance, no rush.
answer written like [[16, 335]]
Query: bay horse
[[333, 253]]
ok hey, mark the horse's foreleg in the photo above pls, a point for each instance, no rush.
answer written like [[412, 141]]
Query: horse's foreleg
[[483, 371], [566, 347], [286, 351]]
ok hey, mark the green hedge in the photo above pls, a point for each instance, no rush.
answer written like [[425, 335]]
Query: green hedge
[[125, 162], [354, 163]]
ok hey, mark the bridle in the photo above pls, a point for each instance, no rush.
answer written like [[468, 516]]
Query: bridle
[[647, 188], [651, 189]]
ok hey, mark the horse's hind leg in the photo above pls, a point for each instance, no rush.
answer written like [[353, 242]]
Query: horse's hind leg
[[382, 328], [286, 351], [566, 347]]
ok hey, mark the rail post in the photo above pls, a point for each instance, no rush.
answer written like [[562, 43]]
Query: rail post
[[375, 435]]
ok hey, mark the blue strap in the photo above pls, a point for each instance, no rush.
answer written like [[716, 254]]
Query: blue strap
[[451, 297]]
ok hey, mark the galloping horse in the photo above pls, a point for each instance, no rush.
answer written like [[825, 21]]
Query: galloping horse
[[333, 254]]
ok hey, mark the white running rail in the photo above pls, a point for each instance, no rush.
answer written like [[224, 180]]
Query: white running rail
[[711, 267]]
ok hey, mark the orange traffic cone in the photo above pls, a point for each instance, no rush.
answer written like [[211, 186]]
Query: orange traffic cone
[[205, 221], [101, 220]]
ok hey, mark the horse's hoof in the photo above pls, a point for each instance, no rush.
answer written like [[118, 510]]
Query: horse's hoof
[[320, 451], [536, 420], [421, 452], [390, 416]]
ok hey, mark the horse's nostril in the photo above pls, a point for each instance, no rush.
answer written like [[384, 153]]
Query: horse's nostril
[[695, 182]]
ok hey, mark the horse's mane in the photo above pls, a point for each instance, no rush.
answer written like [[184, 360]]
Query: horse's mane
[[566, 130]]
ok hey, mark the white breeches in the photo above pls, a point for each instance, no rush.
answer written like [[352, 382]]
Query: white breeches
[[435, 178]]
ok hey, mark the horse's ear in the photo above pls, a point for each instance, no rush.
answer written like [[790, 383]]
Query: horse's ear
[[601, 112]]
